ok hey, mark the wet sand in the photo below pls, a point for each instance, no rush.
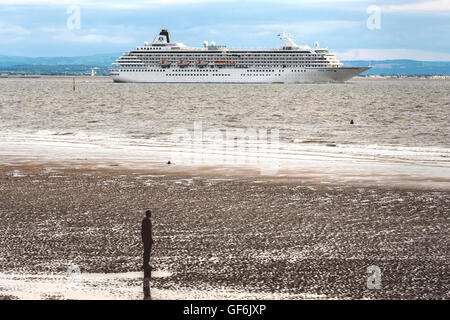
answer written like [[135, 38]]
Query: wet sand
[[285, 238]]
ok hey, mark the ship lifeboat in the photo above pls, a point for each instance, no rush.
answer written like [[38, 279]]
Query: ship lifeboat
[[222, 64], [165, 63], [202, 63], [183, 63]]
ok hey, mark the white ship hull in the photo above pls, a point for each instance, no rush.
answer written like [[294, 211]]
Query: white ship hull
[[237, 75]]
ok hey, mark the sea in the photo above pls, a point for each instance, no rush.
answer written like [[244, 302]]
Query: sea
[[372, 127]]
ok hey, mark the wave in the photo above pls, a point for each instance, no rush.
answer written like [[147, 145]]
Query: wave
[[258, 148]]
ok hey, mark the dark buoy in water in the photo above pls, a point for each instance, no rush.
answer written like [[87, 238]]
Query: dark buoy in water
[[168, 162], [351, 122]]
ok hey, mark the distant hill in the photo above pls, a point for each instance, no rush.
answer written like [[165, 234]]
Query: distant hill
[[83, 64], [99, 60], [62, 69], [402, 67]]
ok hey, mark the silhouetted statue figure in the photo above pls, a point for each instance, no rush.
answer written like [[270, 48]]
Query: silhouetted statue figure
[[147, 239], [147, 294]]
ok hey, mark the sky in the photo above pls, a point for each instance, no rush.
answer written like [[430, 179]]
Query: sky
[[354, 29]]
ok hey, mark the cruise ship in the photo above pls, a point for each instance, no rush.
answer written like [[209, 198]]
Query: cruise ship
[[163, 61]]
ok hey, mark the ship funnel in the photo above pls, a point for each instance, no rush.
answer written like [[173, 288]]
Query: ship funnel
[[162, 37], [164, 32], [213, 44], [205, 43]]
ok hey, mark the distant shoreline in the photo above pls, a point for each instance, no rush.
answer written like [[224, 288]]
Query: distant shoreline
[[84, 65], [374, 76]]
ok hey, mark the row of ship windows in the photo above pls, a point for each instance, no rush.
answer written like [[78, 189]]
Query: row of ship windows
[[238, 60], [195, 74], [206, 56], [259, 65], [264, 70], [224, 74], [229, 60], [198, 70], [194, 70], [253, 64], [246, 64], [229, 55], [142, 70], [260, 75], [175, 70], [220, 75], [274, 70]]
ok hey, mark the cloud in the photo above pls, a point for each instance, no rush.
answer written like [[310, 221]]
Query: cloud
[[424, 6], [116, 35], [135, 4], [13, 30], [248, 24], [391, 54], [81, 3], [310, 27], [97, 38], [300, 30], [112, 4], [186, 1]]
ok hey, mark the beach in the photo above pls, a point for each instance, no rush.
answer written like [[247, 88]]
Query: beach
[[265, 237]]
